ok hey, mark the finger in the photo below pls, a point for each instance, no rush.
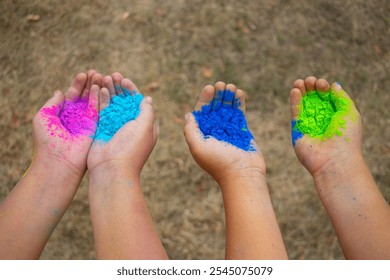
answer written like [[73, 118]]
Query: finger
[[339, 90], [129, 87], [93, 101], [239, 100], [205, 98], [117, 78], [218, 97], [97, 79], [310, 84], [296, 107], [192, 132], [295, 102], [77, 87], [300, 84], [88, 84], [146, 114], [108, 83], [104, 98], [228, 96], [56, 102], [322, 87]]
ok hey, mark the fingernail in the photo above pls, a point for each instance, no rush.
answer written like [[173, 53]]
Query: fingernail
[[149, 99], [338, 84], [187, 117]]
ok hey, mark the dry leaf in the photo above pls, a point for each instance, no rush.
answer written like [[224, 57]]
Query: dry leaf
[[15, 122], [207, 72], [185, 107], [33, 17], [125, 15], [246, 30], [178, 120], [240, 23], [377, 49], [160, 12], [153, 86]]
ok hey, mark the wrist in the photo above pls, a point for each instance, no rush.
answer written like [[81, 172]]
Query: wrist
[[339, 171], [241, 173], [51, 166], [113, 172], [243, 179]]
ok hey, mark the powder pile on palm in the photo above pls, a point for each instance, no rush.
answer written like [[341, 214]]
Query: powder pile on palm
[[122, 109], [225, 122], [77, 117], [322, 115]]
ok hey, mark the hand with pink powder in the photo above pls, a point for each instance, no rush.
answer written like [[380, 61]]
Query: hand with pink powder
[[64, 127], [252, 231], [122, 225], [62, 133]]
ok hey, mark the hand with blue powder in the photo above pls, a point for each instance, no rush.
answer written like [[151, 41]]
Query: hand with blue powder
[[125, 137], [326, 134], [63, 132], [221, 143]]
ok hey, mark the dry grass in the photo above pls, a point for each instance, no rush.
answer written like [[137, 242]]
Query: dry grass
[[171, 49]]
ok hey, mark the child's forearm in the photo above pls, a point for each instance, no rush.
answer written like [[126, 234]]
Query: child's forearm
[[252, 231], [122, 225], [358, 211], [34, 207]]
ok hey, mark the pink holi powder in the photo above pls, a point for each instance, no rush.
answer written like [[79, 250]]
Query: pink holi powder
[[78, 118], [75, 118]]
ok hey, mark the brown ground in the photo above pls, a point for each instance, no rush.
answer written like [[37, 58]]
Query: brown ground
[[171, 49]]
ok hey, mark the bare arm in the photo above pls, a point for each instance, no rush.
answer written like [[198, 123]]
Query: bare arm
[[252, 231], [122, 225], [34, 207], [356, 207]]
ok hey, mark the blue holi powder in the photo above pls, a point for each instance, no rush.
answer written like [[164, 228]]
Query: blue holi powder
[[224, 121], [122, 109], [295, 133]]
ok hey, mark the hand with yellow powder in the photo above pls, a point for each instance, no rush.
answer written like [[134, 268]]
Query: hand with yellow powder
[[326, 134]]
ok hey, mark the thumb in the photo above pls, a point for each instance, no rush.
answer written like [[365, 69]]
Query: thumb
[[192, 132], [55, 102], [146, 114]]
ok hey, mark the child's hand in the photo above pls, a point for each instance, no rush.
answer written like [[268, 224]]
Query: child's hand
[[318, 154], [63, 128], [219, 158], [132, 144]]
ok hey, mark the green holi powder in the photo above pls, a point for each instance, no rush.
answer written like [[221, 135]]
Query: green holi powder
[[323, 114]]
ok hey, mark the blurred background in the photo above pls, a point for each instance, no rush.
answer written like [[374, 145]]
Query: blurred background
[[171, 49]]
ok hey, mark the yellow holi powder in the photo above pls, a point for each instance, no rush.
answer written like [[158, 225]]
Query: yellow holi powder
[[323, 114]]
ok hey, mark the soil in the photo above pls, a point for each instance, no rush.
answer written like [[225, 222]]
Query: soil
[[171, 49]]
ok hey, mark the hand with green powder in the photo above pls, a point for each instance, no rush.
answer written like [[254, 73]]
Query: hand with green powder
[[122, 225], [326, 124], [252, 231], [62, 132], [326, 133]]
